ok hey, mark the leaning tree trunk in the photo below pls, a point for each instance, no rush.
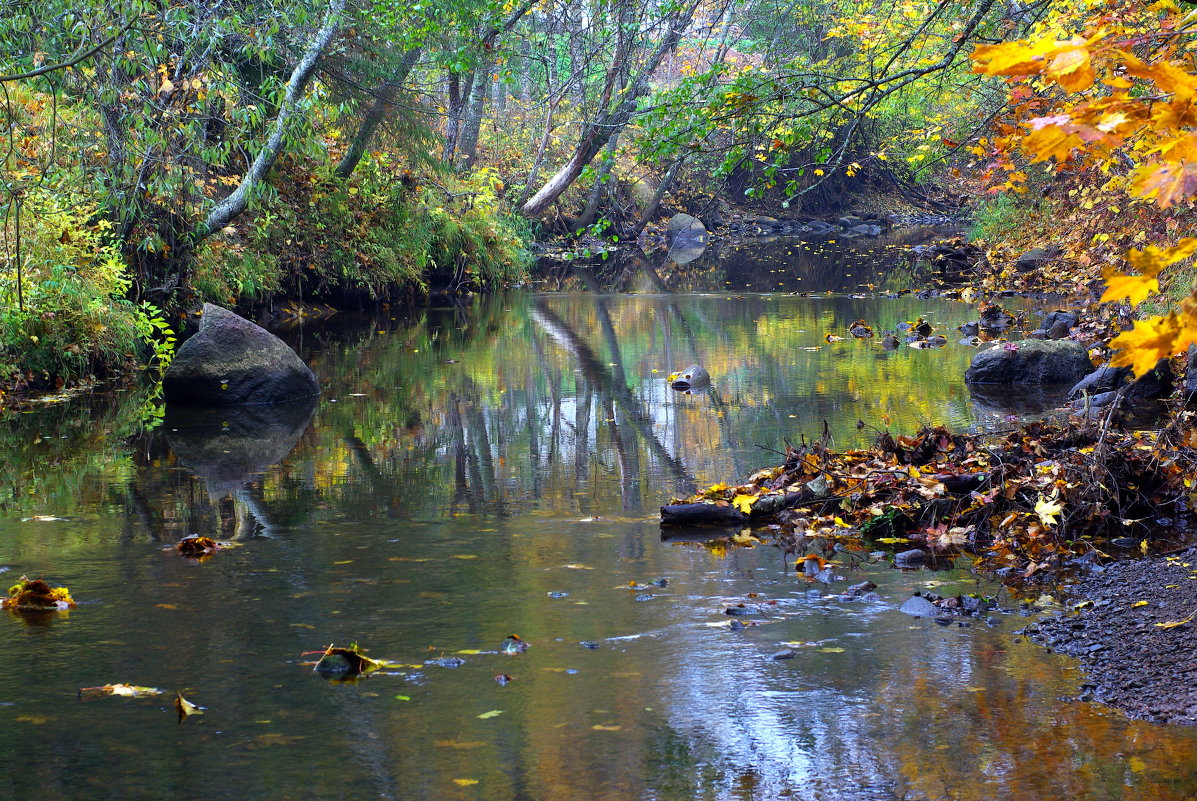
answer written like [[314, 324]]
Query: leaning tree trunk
[[600, 183], [654, 203], [597, 134], [384, 102], [235, 203]]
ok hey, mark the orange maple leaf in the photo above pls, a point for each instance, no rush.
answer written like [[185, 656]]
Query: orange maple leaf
[[1050, 142], [1168, 183], [1072, 70]]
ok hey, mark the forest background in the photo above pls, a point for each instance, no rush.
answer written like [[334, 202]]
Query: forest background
[[156, 154]]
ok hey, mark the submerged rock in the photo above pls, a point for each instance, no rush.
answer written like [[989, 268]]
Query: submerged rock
[[1103, 379], [912, 558], [232, 362], [918, 606], [693, 377]]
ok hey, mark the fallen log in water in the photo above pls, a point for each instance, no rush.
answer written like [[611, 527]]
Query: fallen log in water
[[715, 514]]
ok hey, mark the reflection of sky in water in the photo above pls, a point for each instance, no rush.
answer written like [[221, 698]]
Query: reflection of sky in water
[[473, 462]]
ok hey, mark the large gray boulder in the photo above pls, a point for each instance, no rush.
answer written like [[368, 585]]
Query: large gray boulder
[[1033, 362], [231, 362], [686, 228]]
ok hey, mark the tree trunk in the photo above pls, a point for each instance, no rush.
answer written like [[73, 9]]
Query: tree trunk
[[235, 203], [596, 135], [577, 58], [468, 146], [600, 184], [650, 210], [526, 72], [380, 109]]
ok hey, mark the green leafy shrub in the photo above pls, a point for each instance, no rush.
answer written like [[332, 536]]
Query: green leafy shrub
[[66, 316]]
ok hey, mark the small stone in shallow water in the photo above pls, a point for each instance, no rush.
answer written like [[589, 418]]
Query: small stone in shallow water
[[588, 644], [742, 610], [558, 594], [788, 653], [646, 596], [448, 662]]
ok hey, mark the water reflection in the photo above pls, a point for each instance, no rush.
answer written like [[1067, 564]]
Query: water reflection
[[494, 467]]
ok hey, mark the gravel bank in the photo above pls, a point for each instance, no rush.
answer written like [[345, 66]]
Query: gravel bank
[[1133, 662]]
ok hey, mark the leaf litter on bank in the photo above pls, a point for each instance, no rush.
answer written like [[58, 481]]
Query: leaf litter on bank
[[1023, 500]]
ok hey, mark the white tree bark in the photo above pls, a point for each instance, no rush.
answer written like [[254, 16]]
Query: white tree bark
[[227, 209]]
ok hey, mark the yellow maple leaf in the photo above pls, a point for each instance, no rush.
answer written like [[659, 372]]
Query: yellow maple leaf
[[744, 502], [1134, 288], [1019, 57], [1151, 259], [1148, 342], [1051, 142], [1049, 509], [1170, 78]]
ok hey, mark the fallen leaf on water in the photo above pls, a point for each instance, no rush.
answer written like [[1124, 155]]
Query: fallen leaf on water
[[1138, 604], [601, 727], [124, 690], [402, 697], [494, 713], [831, 650], [465, 782], [185, 708]]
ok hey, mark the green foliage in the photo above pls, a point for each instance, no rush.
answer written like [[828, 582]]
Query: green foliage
[[72, 318], [998, 216], [385, 230]]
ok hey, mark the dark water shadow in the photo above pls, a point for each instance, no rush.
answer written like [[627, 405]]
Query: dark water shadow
[[1000, 400]]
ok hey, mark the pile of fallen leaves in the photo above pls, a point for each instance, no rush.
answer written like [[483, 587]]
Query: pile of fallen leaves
[[37, 595], [1025, 499]]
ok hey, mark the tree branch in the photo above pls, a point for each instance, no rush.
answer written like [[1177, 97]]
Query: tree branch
[[81, 57]]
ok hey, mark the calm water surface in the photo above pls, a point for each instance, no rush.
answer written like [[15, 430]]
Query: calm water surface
[[466, 464]]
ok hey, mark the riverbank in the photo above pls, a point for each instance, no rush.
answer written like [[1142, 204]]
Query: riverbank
[[1131, 627]]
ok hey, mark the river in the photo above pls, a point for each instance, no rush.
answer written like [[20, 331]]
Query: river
[[493, 466]]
